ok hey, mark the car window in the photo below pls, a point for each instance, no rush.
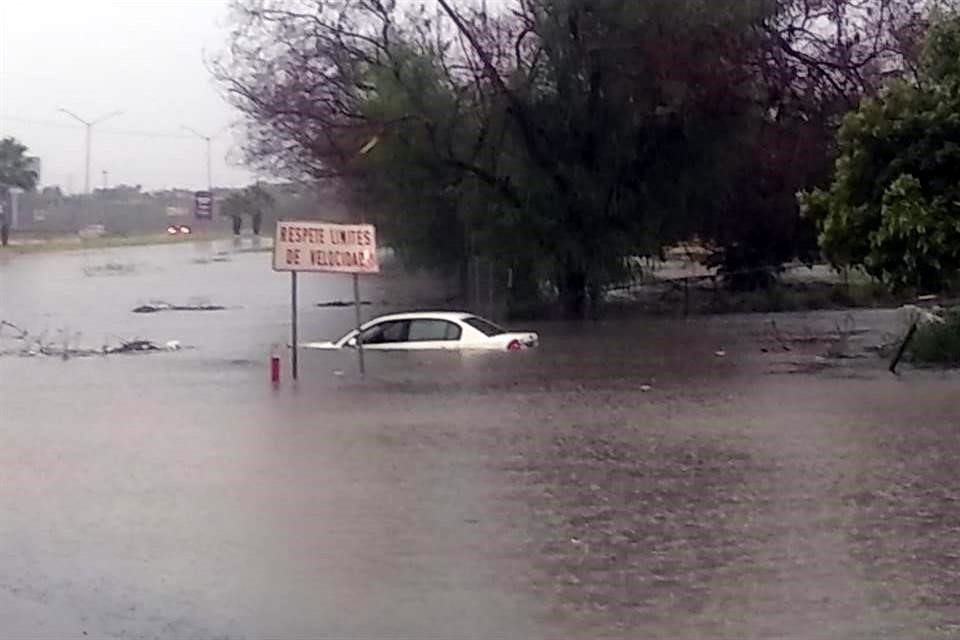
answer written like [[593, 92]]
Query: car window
[[485, 327], [424, 330], [384, 332]]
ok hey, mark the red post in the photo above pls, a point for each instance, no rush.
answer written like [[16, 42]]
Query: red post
[[274, 365]]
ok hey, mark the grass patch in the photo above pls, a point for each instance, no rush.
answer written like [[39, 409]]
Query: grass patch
[[704, 297], [938, 343], [804, 296]]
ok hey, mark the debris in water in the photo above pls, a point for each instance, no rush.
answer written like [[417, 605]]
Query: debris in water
[[720, 353], [342, 303], [213, 259], [645, 388], [64, 345], [22, 332], [163, 306], [110, 269], [133, 346], [143, 346]]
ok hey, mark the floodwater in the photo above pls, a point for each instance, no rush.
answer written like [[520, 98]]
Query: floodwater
[[655, 478]]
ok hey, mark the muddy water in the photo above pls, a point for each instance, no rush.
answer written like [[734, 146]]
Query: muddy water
[[540, 494]]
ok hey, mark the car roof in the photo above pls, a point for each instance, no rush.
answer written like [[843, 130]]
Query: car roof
[[428, 315]]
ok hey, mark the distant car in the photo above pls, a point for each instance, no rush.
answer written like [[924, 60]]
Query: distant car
[[425, 330], [179, 230]]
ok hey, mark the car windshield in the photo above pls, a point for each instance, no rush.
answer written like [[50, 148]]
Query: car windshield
[[485, 327]]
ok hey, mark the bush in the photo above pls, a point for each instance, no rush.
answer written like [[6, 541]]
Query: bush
[[938, 343]]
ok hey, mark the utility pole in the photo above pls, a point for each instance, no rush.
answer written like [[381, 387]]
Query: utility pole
[[104, 197], [89, 124]]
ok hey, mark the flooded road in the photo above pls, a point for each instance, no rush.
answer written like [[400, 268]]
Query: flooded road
[[535, 495]]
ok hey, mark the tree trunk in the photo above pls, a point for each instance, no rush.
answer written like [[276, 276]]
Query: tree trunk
[[255, 222], [237, 225], [464, 276], [4, 221], [572, 284], [595, 289], [523, 290]]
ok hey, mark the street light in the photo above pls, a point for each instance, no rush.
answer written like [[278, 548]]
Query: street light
[[89, 124], [207, 140]]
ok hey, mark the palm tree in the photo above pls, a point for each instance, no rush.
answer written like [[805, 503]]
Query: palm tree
[[16, 171]]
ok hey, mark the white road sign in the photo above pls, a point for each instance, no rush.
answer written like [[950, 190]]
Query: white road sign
[[325, 246]]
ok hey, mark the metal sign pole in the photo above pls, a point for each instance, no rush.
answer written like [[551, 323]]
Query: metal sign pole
[[293, 324], [356, 305]]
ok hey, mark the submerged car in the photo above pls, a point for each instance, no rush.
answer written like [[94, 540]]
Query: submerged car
[[432, 330]]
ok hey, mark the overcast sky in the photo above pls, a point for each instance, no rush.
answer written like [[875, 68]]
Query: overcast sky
[[144, 57]]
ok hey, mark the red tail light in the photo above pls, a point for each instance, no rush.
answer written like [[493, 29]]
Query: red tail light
[[514, 345]]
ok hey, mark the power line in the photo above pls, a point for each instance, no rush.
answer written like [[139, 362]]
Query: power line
[[113, 132], [42, 123], [145, 134]]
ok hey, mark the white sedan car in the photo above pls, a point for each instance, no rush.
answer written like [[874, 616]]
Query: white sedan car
[[432, 330]]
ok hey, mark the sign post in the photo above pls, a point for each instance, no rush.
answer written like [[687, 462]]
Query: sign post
[[356, 306], [294, 359], [324, 247]]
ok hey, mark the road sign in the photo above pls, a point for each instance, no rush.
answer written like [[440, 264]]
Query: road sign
[[325, 247], [203, 205]]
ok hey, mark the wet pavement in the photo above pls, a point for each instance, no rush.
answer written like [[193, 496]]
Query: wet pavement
[[762, 493]]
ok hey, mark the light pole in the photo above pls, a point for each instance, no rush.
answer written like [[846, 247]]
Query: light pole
[[207, 140], [89, 124]]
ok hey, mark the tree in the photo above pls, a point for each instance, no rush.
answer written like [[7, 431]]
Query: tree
[[814, 60], [551, 139], [52, 193], [619, 113], [253, 201], [771, 83], [558, 137], [893, 206], [16, 171]]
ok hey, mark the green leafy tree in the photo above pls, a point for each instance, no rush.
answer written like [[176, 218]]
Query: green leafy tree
[[16, 168], [16, 171], [894, 204]]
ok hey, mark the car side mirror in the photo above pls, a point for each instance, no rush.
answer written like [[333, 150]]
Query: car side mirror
[[352, 342]]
